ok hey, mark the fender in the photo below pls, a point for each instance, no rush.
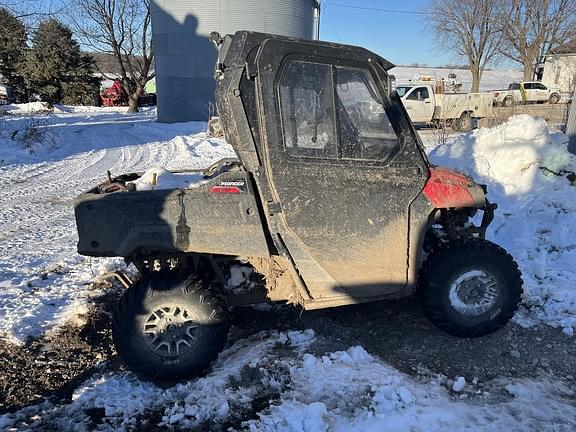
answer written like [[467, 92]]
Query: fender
[[450, 189]]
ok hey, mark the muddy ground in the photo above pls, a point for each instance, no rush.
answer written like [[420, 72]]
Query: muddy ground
[[395, 331]]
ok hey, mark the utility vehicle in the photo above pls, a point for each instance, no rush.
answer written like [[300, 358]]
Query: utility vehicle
[[331, 202], [427, 104]]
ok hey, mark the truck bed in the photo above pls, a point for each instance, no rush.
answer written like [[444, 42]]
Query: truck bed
[[451, 105], [218, 216]]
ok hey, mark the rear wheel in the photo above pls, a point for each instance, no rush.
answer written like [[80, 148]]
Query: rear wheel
[[169, 326], [554, 98], [470, 288], [464, 123]]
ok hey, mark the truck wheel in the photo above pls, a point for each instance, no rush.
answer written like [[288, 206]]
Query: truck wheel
[[554, 99], [215, 128], [470, 287], [464, 123], [169, 326], [508, 101]]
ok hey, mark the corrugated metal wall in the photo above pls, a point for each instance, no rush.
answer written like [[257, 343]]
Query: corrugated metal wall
[[185, 57]]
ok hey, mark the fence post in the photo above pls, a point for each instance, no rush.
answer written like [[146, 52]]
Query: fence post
[[571, 125]]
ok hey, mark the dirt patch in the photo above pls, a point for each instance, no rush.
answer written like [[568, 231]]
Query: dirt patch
[[399, 333], [54, 365]]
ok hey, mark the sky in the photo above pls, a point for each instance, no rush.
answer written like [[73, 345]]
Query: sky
[[395, 29]]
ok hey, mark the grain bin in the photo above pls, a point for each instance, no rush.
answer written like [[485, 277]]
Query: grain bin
[[185, 57]]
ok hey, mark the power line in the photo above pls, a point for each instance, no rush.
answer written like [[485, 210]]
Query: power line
[[376, 9]]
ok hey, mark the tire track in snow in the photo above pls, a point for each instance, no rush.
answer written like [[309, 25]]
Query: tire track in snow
[[36, 209]]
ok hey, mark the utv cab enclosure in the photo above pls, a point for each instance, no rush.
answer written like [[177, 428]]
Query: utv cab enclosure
[[330, 202]]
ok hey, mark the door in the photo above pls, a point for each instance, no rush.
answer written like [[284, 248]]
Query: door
[[341, 171], [419, 104], [535, 92], [541, 92]]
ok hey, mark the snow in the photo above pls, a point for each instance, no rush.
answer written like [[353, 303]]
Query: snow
[[274, 381], [43, 281], [459, 384], [160, 178]]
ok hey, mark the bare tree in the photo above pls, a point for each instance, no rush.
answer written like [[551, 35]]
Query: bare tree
[[531, 28], [468, 28], [31, 11], [122, 29]]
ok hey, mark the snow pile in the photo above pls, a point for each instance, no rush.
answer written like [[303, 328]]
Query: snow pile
[[509, 155], [28, 108], [271, 383], [537, 212]]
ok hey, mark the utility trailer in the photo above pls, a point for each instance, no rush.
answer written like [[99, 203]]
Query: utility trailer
[[331, 202]]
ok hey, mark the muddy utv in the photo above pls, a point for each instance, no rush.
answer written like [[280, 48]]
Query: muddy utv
[[331, 202]]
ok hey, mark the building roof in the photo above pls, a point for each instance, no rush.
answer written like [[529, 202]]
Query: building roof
[[568, 48]]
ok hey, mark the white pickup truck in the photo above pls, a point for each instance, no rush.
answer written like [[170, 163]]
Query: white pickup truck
[[526, 92], [458, 110]]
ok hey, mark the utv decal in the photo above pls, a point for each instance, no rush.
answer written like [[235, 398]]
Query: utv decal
[[229, 187]]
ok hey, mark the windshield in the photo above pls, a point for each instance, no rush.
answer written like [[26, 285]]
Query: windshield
[[402, 90]]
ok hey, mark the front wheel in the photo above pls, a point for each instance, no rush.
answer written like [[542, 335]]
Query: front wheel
[[508, 101], [470, 287], [169, 326]]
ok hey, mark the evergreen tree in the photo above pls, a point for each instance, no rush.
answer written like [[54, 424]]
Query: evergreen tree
[[12, 52], [56, 69]]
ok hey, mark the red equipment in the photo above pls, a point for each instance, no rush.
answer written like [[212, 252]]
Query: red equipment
[[114, 96]]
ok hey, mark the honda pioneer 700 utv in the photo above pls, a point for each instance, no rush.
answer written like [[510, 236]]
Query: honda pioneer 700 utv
[[330, 202]]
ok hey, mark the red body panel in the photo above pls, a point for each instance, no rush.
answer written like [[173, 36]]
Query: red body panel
[[446, 188]]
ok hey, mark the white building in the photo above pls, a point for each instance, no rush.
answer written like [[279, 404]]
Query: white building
[[559, 68]]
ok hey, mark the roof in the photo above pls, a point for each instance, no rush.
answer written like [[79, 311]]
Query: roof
[[568, 48]]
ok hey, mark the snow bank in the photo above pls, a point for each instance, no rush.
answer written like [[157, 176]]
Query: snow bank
[[27, 108], [537, 212], [46, 108], [509, 155]]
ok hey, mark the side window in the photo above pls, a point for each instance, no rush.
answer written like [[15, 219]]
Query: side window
[[419, 94], [539, 86], [364, 128], [307, 109], [529, 86]]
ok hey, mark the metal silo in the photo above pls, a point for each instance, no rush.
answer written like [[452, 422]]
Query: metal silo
[[185, 57]]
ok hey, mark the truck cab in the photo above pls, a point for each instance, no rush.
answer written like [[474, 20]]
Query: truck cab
[[418, 101]]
